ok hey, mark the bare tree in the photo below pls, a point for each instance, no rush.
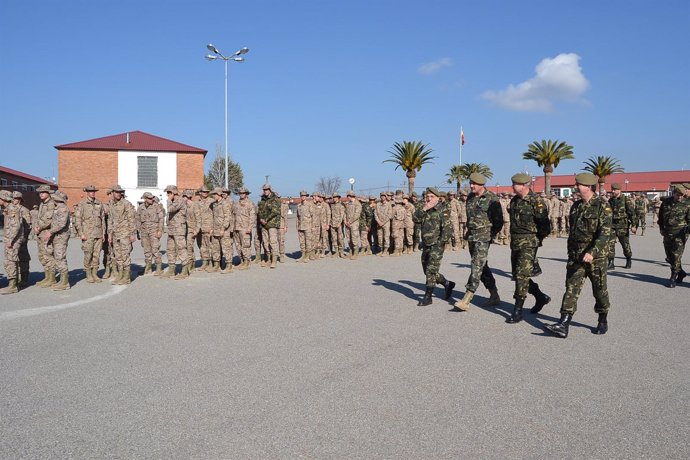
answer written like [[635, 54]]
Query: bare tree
[[328, 185], [216, 173]]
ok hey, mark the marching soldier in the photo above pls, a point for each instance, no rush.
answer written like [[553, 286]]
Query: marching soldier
[[622, 218], [121, 234], [89, 222], [484, 221], [590, 235], [674, 225], [641, 207], [529, 225], [436, 231]]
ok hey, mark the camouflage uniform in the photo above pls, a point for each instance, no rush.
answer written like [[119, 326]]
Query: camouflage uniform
[[24, 257], [150, 222], [567, 206], [245, 218], [121, 233], [554, 214], [177, 232], [325, 227], [60, 234], [193, 226], [89, 222], [337, 217], [353, 212], [206, 224], [269, 221], [304, 226], [398, 226], [674, 225], [45, 244], [462, 218], [221, 223], [641, 207], [453, 207], [365, 219], [383, 215], [13, 234], [417, 228], [623, 215], [316, 219], [107, 243], [227, 242], [409, 224], [656, 205], [284, 208], [484, 221]]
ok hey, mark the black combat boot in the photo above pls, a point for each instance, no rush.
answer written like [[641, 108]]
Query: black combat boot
[[681, 276], [610, 266], [541, 298], [516, 317], [672, 281], [536, 268], [602, 325], [426, 300], [560, 329], [448, 285], [628, 262]]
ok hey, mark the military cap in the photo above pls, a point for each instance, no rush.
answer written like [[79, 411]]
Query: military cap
[[17, 194], [188, 193], [679, 189], [90, 188], [399, 192], [266, 186], [414, 194], [350, 193], [615, 186], [362, 198], [389, 193], [203, 188], [477, 178], [328, 197], [216, 191], [317, 193], [59, 196], [383, 194], [443, 195], [433, 191], [147, 195], [372, 198], [117, 188], [44, 188], [225, 190], [303, 193], [172, 189], [452, 192], [5, 195], [244, 190], [521, 178], [336, 194], [586, 179], [398, 199]]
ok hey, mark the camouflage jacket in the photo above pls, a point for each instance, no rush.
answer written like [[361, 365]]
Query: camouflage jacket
[[177, 217], [245, 215], [193, 217], [529, 221], [61, 220], [409, 213], [89, 218], [674, 217], [353, 211], [590, 229], [45, 215], [26, 220], [150, 219], [641, 205], [436, 226], [222, 216], [623, 211], [269, 210], [205, 214], [462, 211], [121, 219], [383, 213], [14, 229], [284, 207], [337, 213], [366, 217], [399, 215], [484, 216], [418, 206], [304, 216]]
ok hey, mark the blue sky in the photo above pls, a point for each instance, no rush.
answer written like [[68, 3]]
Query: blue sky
[[329, 86]]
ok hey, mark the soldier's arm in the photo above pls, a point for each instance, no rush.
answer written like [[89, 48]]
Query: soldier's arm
[[541, 219], [603, 234], [496, 217], [60, 220]]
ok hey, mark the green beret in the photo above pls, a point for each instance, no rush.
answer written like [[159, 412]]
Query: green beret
[[686, 185], [680, 189], [586, 179], [615, 186], [521, 178], [433, 191], [477, 178]]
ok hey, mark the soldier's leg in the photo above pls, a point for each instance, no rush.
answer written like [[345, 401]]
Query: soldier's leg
[[246, 239], [302, 243], [281, 244], [11, 269], [181, 246], [523, 264], [596, 272], [477, 264], [356, 242], [216, 249], [386, 237], [574, 278], [273, 242], [146, 246], [226, 244], [24, 263], [456, 234], [205, 249], [624, 239], [190, 250], [172, 251]]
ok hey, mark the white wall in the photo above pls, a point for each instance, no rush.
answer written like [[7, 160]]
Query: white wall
[[127, 173]]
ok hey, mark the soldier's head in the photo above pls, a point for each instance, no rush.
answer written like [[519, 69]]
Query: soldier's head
[[148, 198], [686, 185], [90, 191], [372, 201], [5, 198], [678, 192], [521, 183], [616, 190], [244, 193], [172, 192], [118, 192], [303, 195], [216, 194], [44, 192], [351, 196], [266, 190], [224, 192], [477, 183], [585, 184], [431, 196], [187, 195], [203, 191]]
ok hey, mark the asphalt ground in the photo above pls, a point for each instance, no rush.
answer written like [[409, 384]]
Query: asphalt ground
[[333, 359]]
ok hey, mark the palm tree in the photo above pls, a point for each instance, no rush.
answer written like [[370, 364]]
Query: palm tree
[[548, 154], [460, 173], [602, 167], [410, 156]]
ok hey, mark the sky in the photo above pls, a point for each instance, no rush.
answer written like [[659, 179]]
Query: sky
[[328, 86]]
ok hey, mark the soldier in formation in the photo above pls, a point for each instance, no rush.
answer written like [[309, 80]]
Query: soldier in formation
[[193, 226], [24, 257], [150, 220], [89, 223], [674, 225], [42, 226], [59, 234], [269, 220], [121, 233], [245, 217], [353, 212], [12, 237], [622, 219]]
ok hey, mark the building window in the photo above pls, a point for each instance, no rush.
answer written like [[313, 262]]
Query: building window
[[3, 182], [147, 172], [15, 185], [24, 187]]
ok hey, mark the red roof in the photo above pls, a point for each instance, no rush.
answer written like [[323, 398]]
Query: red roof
[[637, 181], [28, 177], [138, 140]]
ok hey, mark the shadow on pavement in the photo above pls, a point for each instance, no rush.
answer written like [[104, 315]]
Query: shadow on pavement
[[399, 288], [645, 278]]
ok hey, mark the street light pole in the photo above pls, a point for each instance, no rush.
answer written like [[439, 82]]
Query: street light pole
[[235, 57]]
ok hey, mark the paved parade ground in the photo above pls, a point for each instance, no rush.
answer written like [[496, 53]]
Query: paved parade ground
[[333, 359]]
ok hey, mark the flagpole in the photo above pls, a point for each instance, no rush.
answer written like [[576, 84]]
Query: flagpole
[[461, 134]]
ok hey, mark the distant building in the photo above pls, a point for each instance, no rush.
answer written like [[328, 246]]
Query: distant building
[[653, 183], [137, 161], [14, 180]]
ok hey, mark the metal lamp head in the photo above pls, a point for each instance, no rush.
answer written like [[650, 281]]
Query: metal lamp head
[[211, 57], [238, 59], [212, 48]]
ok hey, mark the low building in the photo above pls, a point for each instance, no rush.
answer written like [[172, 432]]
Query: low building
[[13, 180], [137, 161]]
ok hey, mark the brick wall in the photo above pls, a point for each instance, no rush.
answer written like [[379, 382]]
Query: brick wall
[[77, 168], [190, 170]]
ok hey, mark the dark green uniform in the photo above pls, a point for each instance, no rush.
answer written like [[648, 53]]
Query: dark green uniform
[[623, 217], [484, 221], [641, 213], [674, 225], [529, 225], [590, 232], [416, 232], [436, 231]]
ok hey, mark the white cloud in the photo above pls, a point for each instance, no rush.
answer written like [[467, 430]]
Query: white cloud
[[560, 78], [435, 66]]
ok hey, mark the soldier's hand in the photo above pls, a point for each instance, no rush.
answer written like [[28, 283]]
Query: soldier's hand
[[588, 258], [83, 237], [133, 238], [633, 230]]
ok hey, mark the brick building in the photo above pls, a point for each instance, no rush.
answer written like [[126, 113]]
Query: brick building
[[138, 161], [14, 180]]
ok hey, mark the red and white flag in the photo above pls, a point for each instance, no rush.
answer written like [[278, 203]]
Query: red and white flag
[[462, 136]]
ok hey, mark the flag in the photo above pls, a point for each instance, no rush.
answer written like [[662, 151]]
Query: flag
[[462, 136]]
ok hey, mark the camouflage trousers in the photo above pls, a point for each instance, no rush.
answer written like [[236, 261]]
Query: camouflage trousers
[[190, 248], [554, 225], [219, 247], [60, 241], [203, 240], [177, 249], [269, 236], [563, 223], [152, 247], [45, 252], [640, 220], [575, 274], [622, 235], [383, 234], [364, 238], [409, 237], [462, 227], [243, 243], [522, 265], [11, 261], [479, 271], [398, 236], [305, 241], [258, 241], [107, 252], [431, 264], [281, 240], [417, 232], [122, 252], [457, 236], [504, 234], [91, 247], [674, 246], [352, 237], [316, 237], [337, 238]]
